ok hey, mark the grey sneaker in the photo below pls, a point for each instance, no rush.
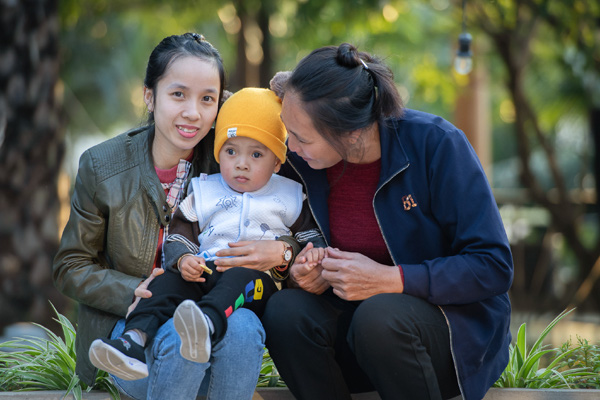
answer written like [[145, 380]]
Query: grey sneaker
[[120, 357], [192, 327]]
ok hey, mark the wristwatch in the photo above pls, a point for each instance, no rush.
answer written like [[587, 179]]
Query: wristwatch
[[287, 253], [281, 272]]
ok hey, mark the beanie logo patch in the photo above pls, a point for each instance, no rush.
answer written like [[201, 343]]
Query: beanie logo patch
[[231, 132]]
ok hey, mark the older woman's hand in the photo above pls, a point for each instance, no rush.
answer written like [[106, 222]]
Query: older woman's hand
[[306, 274], [261, 255], [142, 290], [354, 276]]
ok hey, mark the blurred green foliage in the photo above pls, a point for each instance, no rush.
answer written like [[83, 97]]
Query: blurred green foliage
[[105, 45]]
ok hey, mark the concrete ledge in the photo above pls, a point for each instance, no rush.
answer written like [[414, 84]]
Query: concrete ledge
[[492, 394], [542, 394], [260, 394], [284, 394], [52, 395]]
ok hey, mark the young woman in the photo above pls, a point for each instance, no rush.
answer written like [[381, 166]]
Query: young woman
[[126, 191], [411, 299]]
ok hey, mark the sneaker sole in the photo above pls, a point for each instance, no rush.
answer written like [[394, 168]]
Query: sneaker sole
[[114, 362], [193, 330]]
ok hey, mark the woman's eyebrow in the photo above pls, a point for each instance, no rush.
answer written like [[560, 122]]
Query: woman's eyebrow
[[293, 133], [182, 86], [176, 85]]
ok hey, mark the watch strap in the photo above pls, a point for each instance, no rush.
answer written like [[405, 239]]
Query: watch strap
[[281, 272]]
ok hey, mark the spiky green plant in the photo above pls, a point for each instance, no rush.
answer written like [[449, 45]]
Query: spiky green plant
[[47, 364], [524, 371], [269, 377]]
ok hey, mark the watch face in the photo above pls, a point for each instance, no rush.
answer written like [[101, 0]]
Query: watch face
[[287, 255]]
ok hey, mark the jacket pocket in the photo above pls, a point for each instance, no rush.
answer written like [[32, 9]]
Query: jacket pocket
[[132, 236]]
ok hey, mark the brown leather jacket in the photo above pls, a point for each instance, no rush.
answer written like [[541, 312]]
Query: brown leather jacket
[[109, 243]]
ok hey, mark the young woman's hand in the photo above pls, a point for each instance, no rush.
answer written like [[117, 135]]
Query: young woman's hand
[[142, 290], [306, 271], [261, 255], [354, 276]]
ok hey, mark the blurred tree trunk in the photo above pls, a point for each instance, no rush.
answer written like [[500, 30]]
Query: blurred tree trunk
[[266, 66], [254, 62], [595, 133], [238, 77], [31, 153], [511, 28]]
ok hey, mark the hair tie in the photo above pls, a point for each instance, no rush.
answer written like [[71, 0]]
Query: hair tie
[[198, 38], [369, 71]]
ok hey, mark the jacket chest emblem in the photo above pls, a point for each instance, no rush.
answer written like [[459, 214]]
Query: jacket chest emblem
[[408, 202]]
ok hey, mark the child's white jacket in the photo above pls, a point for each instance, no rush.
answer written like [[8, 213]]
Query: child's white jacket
[[225, 215]]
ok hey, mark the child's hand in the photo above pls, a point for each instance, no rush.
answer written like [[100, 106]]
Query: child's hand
[[307, 275], [192, 267], [315, 255]]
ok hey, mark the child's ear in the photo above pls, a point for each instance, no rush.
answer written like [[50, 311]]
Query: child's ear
[[277, 165]]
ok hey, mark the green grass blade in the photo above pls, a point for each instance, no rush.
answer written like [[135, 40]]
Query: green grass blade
[[548, 328], [530, 365], [522, 341]]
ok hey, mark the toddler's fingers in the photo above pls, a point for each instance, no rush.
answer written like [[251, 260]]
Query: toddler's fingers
[[301, 260]]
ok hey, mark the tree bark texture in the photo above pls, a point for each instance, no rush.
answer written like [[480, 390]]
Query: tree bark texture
[[31, 154], [511, 41], [247, 73]]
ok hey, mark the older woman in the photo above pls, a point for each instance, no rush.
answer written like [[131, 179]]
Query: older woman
[[411, 300]]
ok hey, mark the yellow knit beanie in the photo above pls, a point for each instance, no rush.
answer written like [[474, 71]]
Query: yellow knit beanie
[[253, 113]]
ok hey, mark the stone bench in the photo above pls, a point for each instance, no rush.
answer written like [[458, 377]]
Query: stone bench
[[284, 394]]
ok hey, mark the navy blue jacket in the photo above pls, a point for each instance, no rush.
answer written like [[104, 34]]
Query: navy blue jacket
[[440, 222]]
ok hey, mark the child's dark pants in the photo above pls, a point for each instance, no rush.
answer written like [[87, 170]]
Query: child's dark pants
[[218, 297]]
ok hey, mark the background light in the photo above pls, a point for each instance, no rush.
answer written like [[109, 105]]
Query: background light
[[463, 63]]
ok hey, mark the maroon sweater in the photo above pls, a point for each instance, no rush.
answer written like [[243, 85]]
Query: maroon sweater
[[352, 221]]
